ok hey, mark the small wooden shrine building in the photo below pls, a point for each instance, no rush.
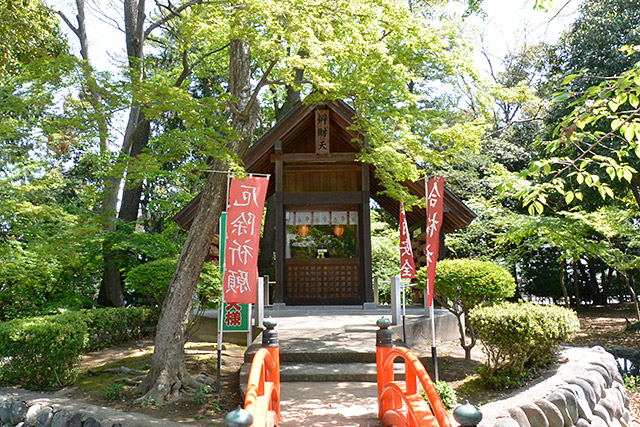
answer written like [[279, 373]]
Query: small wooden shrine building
[[322, 196]]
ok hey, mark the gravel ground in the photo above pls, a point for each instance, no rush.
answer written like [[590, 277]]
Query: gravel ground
[[635, 408]]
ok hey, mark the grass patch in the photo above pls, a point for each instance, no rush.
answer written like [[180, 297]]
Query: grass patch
[[96, 380], [473, 389]]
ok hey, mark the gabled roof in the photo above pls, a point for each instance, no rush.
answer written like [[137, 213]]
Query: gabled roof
[[300, 120]]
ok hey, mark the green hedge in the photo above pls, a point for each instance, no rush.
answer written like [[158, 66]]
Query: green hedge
[[517, 336], [109, 326], [42, 352]]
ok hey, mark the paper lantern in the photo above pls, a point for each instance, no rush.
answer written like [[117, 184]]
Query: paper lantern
[[303, 230], [338, 230]]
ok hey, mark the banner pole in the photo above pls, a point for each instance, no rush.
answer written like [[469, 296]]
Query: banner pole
[[404, 313], [434, 351], [223, 245]]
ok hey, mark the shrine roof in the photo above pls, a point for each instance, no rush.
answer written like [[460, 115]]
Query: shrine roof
[[294, 127]]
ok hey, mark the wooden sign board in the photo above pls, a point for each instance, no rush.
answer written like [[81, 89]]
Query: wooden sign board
[[322, 131]]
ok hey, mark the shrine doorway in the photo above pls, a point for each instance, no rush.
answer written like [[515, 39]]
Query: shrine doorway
[[322, 256]]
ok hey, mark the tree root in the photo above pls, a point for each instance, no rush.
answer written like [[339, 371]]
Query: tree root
[[203, 378], [167, 386], [124, 370]]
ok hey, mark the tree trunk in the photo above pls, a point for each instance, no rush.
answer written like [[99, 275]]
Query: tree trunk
[[592, 281], [111, 289], [110, 294], [565, 294], [635, 184], [606, 283], [168, 375], [131, 195], [576, 284], [634, 295], [95, 99]]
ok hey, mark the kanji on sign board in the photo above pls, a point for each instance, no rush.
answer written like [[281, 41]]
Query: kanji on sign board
[[244, 222], [407, 263], [235, 317], [322, 131], [435, 190]]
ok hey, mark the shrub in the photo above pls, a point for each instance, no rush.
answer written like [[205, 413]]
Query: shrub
[[150, 282], [114, 392], [632, 383], [469, 282], [209, 290], [447, 394], [516, 336], [633, 326], [462, 284], [42, 352]]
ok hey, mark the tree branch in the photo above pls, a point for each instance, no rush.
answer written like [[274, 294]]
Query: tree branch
[[281, 83], [502, 129], [174, 13], [596, 143], [261, 83], [186, 68], [75, 30]]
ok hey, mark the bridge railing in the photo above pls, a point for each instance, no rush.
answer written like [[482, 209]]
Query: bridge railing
[[262, 401], [400, 403]]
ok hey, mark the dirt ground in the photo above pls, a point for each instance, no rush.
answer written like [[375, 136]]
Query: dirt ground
[[115, 390], [599, 326], [605, 326]]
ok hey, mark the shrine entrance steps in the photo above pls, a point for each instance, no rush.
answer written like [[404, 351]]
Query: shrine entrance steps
[[327, 364]]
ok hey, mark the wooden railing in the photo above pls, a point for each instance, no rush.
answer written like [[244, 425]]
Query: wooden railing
[[400, 402], [263, 388]]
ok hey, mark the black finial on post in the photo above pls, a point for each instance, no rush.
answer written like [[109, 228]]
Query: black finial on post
[[383, 335], [270, 335], [238, 418], [467, 415]]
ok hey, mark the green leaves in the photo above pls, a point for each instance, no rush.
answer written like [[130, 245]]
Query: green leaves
[[596, 156]]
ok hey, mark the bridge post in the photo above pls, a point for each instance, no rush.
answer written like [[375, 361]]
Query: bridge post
[[467, 415], [384, 345], [238, 418], [270, 342]]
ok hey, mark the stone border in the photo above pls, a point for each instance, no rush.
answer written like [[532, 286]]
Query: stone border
[[21, 408], [584, 390]]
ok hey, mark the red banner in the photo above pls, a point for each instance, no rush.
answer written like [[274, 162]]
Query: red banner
[[244, 223], [407, 264], [435, 192]]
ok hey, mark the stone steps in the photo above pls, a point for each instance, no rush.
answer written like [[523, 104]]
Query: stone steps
[[326, 372], [318, 355]]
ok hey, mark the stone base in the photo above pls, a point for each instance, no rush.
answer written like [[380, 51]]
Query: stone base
[[205, 329], [369, 306], [419, 328]]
